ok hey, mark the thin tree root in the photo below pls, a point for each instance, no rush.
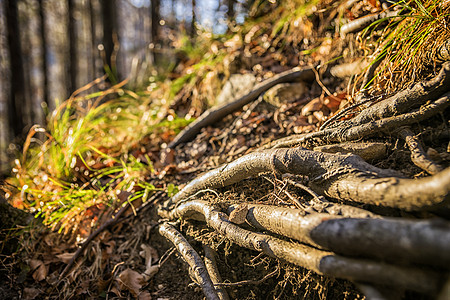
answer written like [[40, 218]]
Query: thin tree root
[[363, 22], [213, 271], [344, 177], [406, 241], [192, 258], [215, 114], [321, 262], [418, 155]]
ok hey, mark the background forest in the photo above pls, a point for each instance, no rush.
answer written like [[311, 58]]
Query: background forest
[[50, 48]]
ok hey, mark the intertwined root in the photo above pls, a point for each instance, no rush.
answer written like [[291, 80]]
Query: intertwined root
[[340, 240]]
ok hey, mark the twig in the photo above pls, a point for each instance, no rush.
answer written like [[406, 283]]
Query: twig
[[192, 258]]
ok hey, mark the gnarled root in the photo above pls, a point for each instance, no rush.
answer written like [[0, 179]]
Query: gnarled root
[[407, 241], [321, 262], [401, 109], [345, 177]]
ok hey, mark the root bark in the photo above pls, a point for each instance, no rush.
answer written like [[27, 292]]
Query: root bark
[[321, 262], [343, 177]]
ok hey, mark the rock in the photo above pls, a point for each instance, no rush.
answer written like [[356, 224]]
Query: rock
[[284, 92], [235, 87]]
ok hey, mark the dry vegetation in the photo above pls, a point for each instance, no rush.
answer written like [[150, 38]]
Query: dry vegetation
[[329, 178]]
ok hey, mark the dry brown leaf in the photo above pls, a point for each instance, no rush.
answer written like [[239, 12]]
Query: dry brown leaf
[[131, 281], [312, 106], [30, 293], [145, 296], [39, 269], [65, 257]]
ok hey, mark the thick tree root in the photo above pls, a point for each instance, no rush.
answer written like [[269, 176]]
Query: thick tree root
[[215, 114], [344, 177], [389, 239], [418, 154], [321, 262], [192, 258]]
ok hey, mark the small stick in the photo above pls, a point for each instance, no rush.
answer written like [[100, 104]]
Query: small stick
[[192, 258]]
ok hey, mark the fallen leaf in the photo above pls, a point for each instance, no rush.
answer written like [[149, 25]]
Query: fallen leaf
[[239, 214], [30, 293], [145, 296], [39, 269], [132, 281], [65, 257]]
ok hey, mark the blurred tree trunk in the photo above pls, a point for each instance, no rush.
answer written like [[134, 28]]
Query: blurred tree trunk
[[28, 115], [16, 101], [194, 19], [94, 46], [231, 13], [110, 37], [44, 52], [73, 53], [155, 39]]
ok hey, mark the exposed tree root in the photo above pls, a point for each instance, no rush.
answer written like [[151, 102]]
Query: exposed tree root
[[192, 258], [321, 262], [418, 154], [215, 114], [348, 131], [409, 241], [211, 266], [345, 177]]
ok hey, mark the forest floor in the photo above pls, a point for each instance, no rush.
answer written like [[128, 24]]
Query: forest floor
[[321, 170]]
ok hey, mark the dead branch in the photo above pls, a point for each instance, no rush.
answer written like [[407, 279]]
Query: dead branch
[[321, 262], [390, 239], [215, 114], [345, 177], [213, 271], [192, 258], [418, 154]]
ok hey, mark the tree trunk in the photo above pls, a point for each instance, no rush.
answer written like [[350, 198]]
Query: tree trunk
[[73, 53], [16, 100], [110, 34], [155, 39], [94, 48], [44, 53], [231, 13], [194, 19]]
